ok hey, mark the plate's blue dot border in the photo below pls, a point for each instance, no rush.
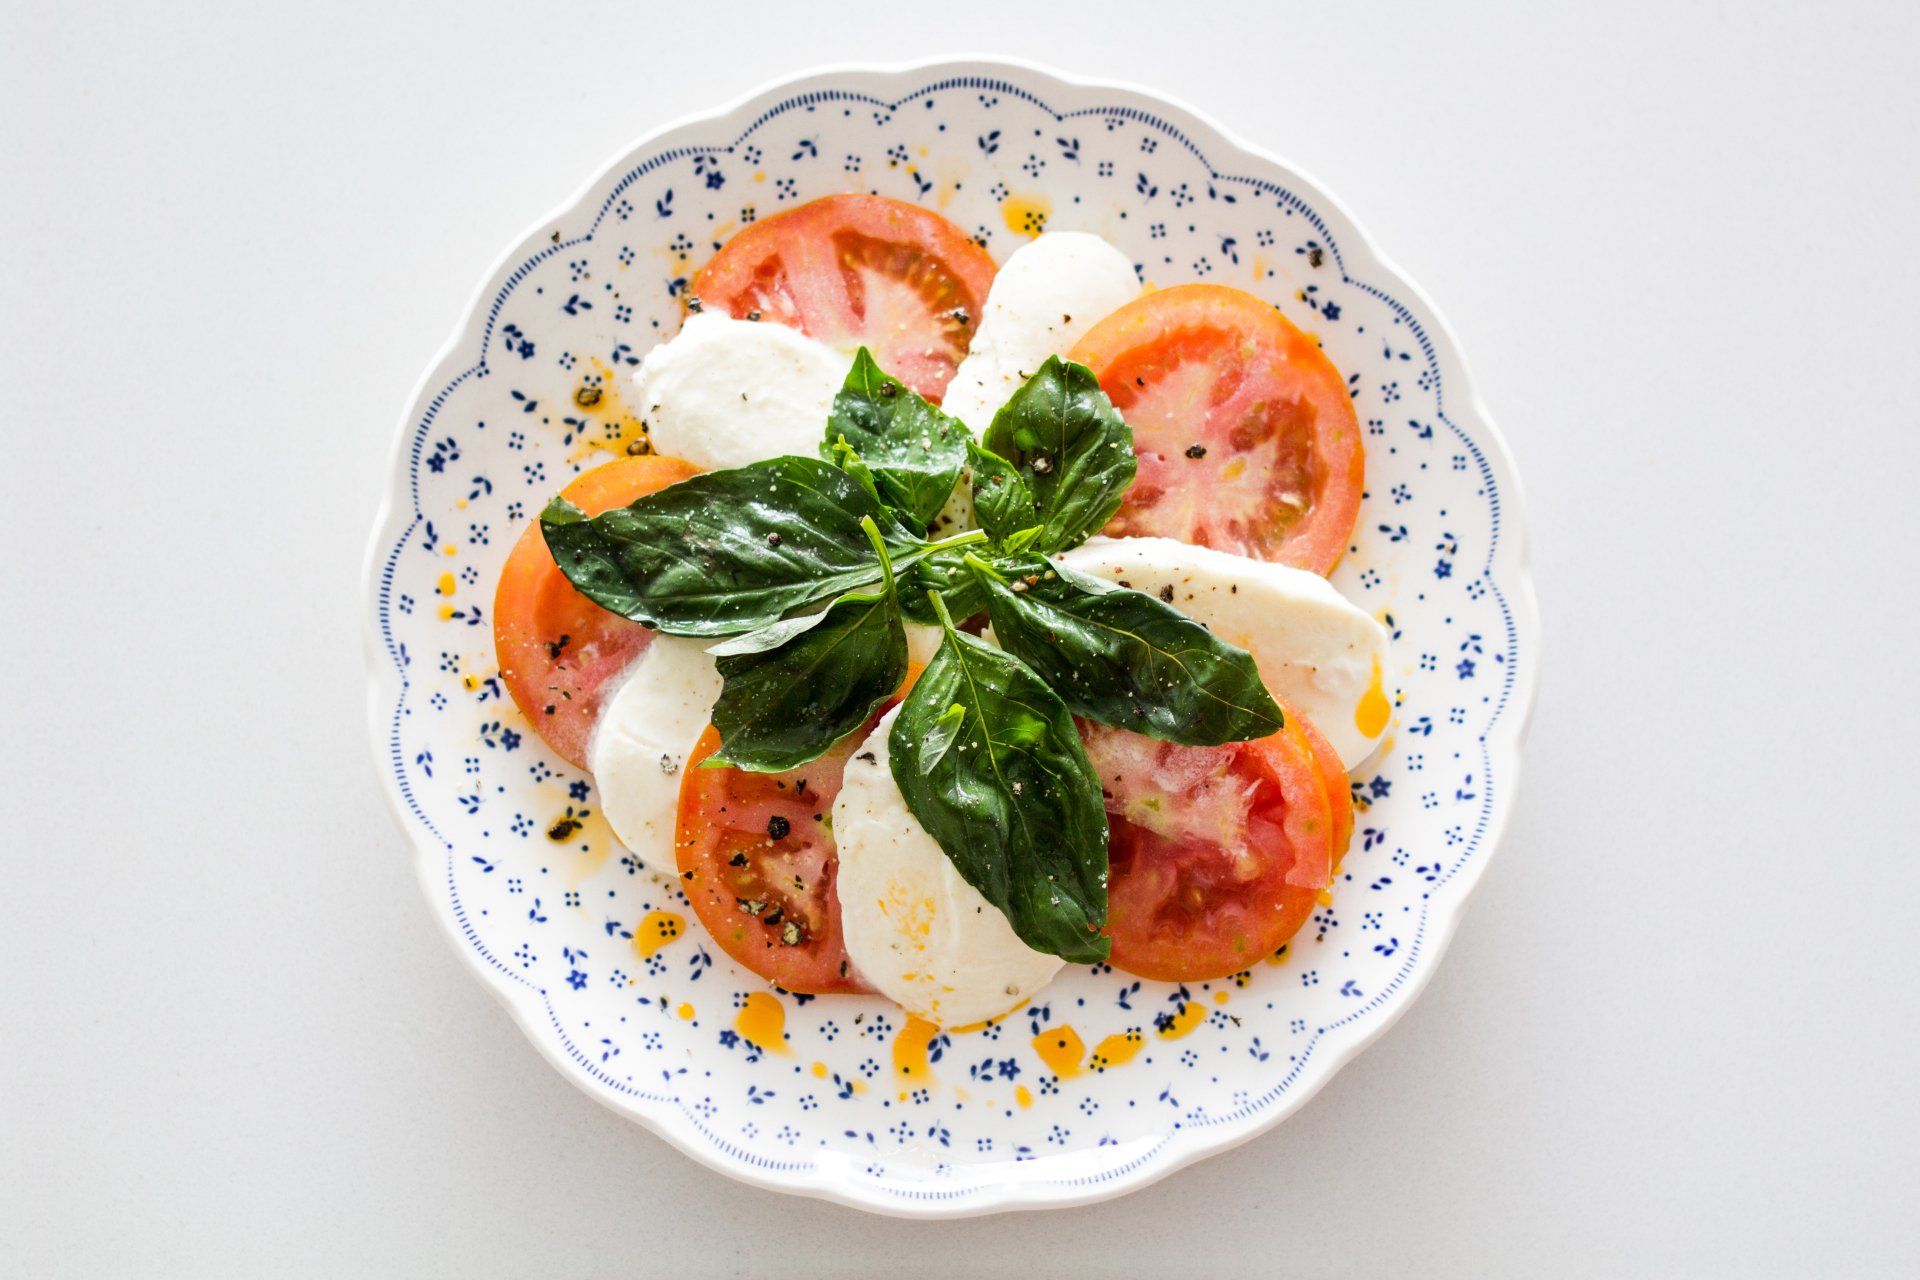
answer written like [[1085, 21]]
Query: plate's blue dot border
[[480, 369]]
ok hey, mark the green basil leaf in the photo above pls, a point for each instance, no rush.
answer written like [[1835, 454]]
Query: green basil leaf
[[783, 706], [945, 572], [1123, 658], [1002, 502], [848, 459], [1071, 447], [940, 736], [771, 636], [1006, 790], [727, 551], [915, 451], [1013, 544]]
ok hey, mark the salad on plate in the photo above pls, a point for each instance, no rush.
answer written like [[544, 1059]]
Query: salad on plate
[[946, 624]]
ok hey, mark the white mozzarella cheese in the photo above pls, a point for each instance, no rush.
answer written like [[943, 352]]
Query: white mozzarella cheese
[[1043, 300], [1317, 652], [726, 392], [914, 928], [922, 642], [639, 748]]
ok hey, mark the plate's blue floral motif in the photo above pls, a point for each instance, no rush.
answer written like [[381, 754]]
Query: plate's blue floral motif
[[1104, 1081]]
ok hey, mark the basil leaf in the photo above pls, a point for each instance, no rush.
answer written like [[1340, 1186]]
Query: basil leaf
[[785, 704], [1124, 658], [1006, 790], [915, 451], [1071, 447], [727, 551], [848, 459], [940, 736], [1013, 544], [1002, 502], [771, 636], [945, 572], [781, 707]]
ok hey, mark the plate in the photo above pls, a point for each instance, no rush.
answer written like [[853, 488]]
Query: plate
[[1104, 1082]]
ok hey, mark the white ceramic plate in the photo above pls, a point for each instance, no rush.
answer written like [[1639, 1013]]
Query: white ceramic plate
[[1104, 1083]]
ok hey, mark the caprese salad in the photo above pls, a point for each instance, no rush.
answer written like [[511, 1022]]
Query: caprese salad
[[951, 624]]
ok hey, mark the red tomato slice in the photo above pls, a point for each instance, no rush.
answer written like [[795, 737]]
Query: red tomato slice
[[859, 270], [757, 861], [1217, 853], [1334, 775], [1245, 432], [557, 649]]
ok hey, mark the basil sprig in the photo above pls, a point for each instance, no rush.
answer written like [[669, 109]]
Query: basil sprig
[[1122, 657], [988, 759], [812, 566]]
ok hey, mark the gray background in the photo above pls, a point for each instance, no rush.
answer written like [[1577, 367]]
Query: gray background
[[1677, 1032]]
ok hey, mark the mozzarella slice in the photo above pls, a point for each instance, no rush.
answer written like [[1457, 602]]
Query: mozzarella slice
[[914, 929], [1317, 652], [726, 392], [923, 642], [1043, 300], [639, 749]]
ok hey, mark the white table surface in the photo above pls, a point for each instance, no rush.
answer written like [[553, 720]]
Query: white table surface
[[1677, 1033]]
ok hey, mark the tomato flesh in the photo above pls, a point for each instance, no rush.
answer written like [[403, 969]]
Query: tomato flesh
[[859, 270], [1333, 775], [758, 862], [1217, 854], [559, 651], [1246, 436]]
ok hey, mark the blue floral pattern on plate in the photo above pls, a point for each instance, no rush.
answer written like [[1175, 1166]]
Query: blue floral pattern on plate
[[1104, 1082]]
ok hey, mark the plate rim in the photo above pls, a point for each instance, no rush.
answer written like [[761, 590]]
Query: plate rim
[[826, 1180]]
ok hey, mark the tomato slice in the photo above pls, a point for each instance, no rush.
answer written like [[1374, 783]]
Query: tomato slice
[[1334, 775], [856, 270], [1245, 432], [757, 861], [557, 649], [1217, 854]]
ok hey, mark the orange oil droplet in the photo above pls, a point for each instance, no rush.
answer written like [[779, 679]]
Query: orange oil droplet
[[763, 1021], [1189, 1017], [910, 1051], [1061, 1049], [1370, 716], [1117, 1050], [655, 930]]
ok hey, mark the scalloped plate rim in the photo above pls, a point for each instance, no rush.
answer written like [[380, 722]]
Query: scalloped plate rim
[[1504, 740]]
